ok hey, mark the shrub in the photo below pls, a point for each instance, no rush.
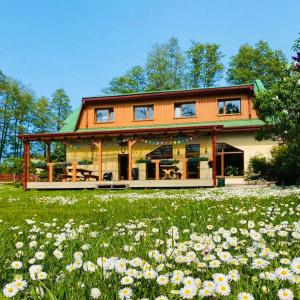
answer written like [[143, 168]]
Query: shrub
[[283, 167], [259, 168]]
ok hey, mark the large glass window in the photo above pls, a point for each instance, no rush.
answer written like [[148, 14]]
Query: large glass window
[[229, 106], [192, 150], [185, 110], [144, 112], [230, 160], [163, 152], [104, 115]]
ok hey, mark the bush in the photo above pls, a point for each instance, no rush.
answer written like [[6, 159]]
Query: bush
[[259, 168], [285, 163], [283, 167]]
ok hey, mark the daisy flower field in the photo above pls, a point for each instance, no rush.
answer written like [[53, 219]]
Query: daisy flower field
[[231, 243]]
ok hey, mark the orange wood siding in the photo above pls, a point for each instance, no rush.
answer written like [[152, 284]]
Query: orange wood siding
[[206, 111]]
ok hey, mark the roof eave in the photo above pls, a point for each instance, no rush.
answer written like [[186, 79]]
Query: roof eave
[[170, 94]]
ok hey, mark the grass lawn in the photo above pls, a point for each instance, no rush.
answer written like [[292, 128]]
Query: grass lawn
[[150, 244]]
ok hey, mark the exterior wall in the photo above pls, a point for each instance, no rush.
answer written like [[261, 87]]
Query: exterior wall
[[206, 111], [246, 142], [111, 150]]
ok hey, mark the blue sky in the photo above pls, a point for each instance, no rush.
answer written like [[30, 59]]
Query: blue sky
[[81, 45]]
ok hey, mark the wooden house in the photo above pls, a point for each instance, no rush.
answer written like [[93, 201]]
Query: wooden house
[[156, 139]]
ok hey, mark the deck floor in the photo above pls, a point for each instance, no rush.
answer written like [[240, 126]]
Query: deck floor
[[188, 183]]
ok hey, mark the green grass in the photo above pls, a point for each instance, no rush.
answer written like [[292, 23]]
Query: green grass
[[130, 219]]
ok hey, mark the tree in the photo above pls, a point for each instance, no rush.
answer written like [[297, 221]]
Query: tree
[[165, 66], [204, 65], [279, 107], [60, 106], [259, 62], [133, 81]]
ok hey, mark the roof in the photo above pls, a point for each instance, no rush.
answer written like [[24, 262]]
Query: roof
[[72, 120], [226, 124]]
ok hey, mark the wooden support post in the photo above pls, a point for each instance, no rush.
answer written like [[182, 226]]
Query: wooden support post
[[26, 163], [222, 163], [157, 169], [183, 161], [130, 145], [50, 171], [214, 155], [48, 151], [99, 147], [74, 171]]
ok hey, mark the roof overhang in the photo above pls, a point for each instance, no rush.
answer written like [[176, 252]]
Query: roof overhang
[[99, 134], [172, 94]]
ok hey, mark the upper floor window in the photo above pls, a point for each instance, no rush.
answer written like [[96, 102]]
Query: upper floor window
[[104, 115], [185, 110], [229, 106], [145, 112]]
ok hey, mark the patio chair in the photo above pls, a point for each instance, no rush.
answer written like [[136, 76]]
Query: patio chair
[[107, 176]]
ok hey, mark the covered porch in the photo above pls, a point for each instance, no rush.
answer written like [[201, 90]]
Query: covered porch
[[161, 158]]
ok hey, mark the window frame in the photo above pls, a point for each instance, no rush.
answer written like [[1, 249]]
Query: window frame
[[183, 103], [110, 109], [147, 113], [225, 100]]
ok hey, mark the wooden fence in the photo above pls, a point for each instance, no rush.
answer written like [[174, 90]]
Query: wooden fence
[[5, 177]]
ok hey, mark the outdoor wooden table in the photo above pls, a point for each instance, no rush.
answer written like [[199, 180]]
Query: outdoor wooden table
[[168, 171], [84, 172]]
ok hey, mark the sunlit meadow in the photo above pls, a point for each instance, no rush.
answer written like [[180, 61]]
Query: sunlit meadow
[[230, 243]]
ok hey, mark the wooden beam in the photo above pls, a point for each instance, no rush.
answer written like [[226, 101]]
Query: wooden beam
[[74, 171], [50, 171], [48, 151], [222, 162], [157, 169], [214, 156], [130, 145], [183, 161], [25, 171], [99, 147]]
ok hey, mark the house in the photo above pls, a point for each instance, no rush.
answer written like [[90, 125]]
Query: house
[[156, 139]]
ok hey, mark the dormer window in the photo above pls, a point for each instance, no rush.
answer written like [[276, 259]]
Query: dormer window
[[185, 110], [104, 115], [229, 106]]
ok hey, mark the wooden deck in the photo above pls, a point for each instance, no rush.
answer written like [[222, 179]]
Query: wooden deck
[[134, 184]]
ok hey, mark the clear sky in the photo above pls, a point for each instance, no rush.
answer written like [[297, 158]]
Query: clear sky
[[80, 45]]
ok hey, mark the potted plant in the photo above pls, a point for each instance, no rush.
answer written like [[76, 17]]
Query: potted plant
[[231, 171]]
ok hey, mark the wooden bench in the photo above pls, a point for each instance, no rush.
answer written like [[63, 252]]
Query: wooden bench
[[91, 176]]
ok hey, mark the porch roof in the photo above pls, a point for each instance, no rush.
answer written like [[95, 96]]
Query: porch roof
[[136, 130]]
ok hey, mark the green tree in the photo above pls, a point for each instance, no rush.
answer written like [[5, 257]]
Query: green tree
[[60, 106], [204, 65], [165, 66], [133, 81], [259, 62]]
